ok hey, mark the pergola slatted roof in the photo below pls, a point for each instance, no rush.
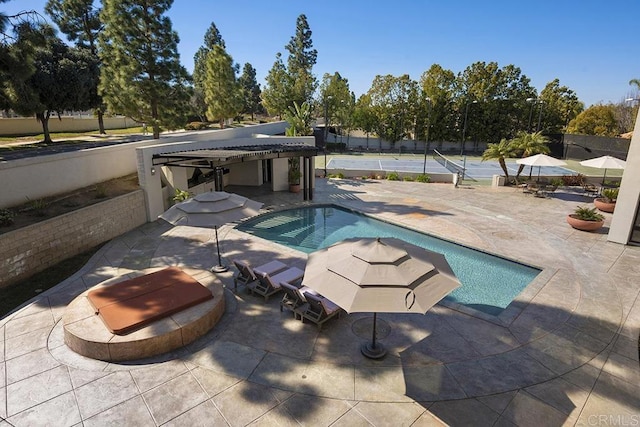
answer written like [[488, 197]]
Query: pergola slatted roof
[[229, 155]]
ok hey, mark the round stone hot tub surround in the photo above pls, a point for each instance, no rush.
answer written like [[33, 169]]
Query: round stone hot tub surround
[[86, 334]]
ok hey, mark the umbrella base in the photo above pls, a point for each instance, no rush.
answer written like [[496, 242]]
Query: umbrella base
[[377, 352], [219, 268]]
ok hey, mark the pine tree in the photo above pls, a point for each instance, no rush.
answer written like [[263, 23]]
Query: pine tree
[[141, 76], [80, 22], [302, 58], [275, 96], [250, 90], [211, 38], [221, 90]]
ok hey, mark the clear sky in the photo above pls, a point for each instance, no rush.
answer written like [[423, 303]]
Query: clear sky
[[592, 46]]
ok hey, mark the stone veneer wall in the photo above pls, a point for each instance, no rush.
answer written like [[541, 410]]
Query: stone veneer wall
[[32, 249]]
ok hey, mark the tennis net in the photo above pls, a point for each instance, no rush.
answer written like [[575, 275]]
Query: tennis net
[[449, 164]]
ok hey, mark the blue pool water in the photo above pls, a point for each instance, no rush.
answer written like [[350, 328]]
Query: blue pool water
[[489, 283]]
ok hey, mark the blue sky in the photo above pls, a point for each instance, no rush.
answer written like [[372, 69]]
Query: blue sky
[[592, 46]]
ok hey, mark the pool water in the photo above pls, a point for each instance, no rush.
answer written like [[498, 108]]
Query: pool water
[[489, 283]]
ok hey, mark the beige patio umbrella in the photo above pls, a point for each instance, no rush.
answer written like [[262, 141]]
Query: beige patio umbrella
[[212, 209], [379, 275], [540, 160], [605, 162]]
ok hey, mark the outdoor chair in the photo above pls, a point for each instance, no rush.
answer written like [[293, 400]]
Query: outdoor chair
[[590, 189], [247, 275], [319, 309], [294, 298], [267, 285]]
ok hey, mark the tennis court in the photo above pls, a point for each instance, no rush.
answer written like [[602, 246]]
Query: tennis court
[[474, 168]]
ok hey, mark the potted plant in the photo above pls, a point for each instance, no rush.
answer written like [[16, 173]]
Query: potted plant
[[585, 219], [607, 203], [294, 174]]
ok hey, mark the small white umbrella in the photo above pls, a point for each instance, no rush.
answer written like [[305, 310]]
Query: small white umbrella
[[540, 160], [212, 209], [604, 162]]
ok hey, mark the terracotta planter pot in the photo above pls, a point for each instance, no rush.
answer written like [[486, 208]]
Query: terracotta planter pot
[[604, 206], [580, 224], [294, 188]]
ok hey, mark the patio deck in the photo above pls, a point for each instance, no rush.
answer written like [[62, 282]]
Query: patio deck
[[565, 353]]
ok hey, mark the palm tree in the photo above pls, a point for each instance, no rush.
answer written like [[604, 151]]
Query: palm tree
[[635, 82], [500, 151], [528, 144]]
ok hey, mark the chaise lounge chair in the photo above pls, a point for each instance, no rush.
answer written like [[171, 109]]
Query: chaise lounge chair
[[294, 298], [319, 309], [267, 285], [247, 275]]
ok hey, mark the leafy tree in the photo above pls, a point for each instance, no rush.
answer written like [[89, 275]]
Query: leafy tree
[[335, 99], [141, 75], [221, 90], [275, 96], [250, 91], [211, 38], [62, 77], [391, 98], [529, 144], [500, 151], [440, 87], [364, 117], [302, 58], [560, 106], [595, 120], [80, 22]]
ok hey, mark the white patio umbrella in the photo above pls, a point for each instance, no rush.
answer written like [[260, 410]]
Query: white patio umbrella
[[212, 209], [379, 275], [604, 162], [540, 160]]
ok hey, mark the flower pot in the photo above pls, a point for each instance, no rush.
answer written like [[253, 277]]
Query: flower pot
[[603, 205], [581, 224], [294, 188]]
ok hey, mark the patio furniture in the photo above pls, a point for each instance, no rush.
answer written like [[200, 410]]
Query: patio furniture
[[247, 275], [267, 285], [319, 309], [294, 298]]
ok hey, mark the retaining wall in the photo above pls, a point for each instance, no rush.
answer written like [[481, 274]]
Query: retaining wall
[[32, 249], [30, 126]]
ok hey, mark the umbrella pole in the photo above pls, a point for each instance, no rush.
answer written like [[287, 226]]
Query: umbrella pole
[[604, 177], [373, 350], [218, 268]]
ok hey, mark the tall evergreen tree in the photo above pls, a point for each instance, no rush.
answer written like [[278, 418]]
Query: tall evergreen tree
[[141, 76], [302, 58], [275, 96], [80, 22], [250, 91], [221, 90]]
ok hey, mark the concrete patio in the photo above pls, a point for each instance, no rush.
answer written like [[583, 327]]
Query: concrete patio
[[564, 353]]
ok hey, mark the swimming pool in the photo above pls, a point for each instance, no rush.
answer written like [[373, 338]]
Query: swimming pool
[[489, 283]]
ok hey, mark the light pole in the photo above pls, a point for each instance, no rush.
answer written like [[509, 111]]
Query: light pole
[[426, 136], [326, 130], [464, 126], [538, 128], [532, 101]]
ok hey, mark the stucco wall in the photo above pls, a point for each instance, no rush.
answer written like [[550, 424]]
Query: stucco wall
[[32, 249], [30, 126]]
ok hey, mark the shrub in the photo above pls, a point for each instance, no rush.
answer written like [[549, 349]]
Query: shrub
[[6, 217], [393, 176], [196, 126], [38, 206], [557, 182], [610, 194], [181, 195], [423, 177], [573, 180], [338, 175], [101, 191], [407, 178], [588, 214]]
